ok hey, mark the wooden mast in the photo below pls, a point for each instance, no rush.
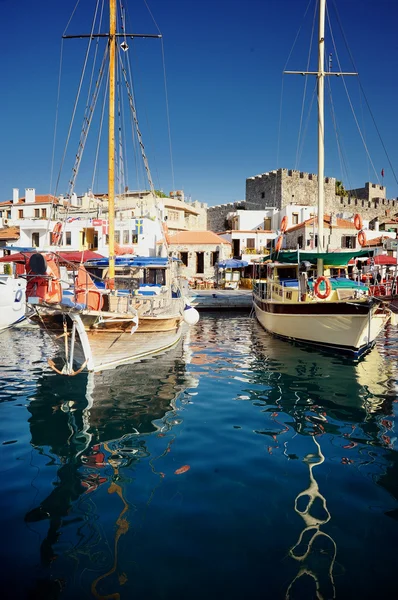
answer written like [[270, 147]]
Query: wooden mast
[[321, 127], [320, 75], [111, 142]]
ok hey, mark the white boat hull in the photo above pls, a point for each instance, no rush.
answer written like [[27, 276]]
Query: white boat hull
[[353, 333], [12, 301]]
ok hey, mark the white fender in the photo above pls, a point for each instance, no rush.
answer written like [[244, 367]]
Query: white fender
[[191, 315]]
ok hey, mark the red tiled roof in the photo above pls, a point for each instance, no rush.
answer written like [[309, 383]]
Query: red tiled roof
[[197, 238], [9, 233], [341, 223], [230, 231], [39, 199], [378, 241]]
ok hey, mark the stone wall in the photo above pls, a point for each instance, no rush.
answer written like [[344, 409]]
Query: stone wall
[[283, 187], [371, 190], [217, 215], [369, 209]]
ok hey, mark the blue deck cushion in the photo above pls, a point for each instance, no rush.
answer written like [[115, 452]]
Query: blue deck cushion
[[289, 282], [68, 300]]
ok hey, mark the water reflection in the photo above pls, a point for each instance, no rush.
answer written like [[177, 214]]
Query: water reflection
[[347, 408], [292, 480], [303, 551], [96, 429]]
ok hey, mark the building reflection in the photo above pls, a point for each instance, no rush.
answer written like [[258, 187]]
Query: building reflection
[[97, 428]]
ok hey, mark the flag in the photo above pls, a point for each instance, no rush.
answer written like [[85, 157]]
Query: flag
[[382, 172]]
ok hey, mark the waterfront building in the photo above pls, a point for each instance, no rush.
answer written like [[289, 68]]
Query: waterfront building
[[338, 234], [84, 221], [199, 253]]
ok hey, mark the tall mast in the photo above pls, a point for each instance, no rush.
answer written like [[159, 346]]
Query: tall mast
[[320, 74], [321, 121], [111, 142]]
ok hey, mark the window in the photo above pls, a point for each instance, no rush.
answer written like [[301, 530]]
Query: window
[[68, 238], [173, 215], [20, 213], [300, 241], [267, 223], [348, 241], [200, 263], [251, 243], [125, 236], [117, 237], [295, 218], [214, 258], [35, 239], [37, 213], [44, 213], [262, 194], [184, 258], [134, 237]]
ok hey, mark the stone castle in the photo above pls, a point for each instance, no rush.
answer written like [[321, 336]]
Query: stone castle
[[279, 188]]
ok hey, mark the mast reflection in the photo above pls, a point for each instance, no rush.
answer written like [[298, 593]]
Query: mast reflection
[[303, 551], [96, 429]]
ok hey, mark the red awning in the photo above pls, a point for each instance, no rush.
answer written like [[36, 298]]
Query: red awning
[[16, 257], [74, 256], [80, 255], [384, 259]]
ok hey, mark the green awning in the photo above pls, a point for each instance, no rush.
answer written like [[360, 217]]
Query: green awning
[[330, 259]]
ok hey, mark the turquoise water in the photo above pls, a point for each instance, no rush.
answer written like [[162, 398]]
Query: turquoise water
[[236, 466]]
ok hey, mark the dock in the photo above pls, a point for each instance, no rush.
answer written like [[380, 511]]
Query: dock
[[215, 299]]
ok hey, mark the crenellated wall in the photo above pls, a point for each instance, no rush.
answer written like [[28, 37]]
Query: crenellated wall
[[284, 187]]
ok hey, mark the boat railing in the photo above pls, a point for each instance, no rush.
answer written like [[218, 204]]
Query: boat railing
[[260, 289]]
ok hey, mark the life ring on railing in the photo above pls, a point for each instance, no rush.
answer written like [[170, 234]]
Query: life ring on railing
[[358, 222], [362, 238], [284, 223], [328, 288], [279, 242], [56, 234]]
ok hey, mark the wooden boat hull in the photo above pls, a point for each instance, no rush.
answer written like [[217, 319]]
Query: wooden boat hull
[[350, 327], [158, 324], [110, 343]]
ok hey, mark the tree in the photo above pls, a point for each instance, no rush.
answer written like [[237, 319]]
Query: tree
[[340, 189]]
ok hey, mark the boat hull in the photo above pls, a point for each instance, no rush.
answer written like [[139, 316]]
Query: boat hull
[[347, 327], [12, 301], [104, 344]]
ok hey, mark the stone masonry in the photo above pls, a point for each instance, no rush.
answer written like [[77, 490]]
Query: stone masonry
[[282, 187]]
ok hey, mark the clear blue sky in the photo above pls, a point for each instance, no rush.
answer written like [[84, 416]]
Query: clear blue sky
[[224, 62]]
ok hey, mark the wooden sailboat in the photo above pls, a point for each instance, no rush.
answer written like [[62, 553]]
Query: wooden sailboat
[[297, 299], [98, 329]]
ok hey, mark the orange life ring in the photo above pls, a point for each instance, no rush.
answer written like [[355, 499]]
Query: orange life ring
[[284, 223], [362, 238], [358, 222], [56, 234], [328, 288], [278, 245]]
